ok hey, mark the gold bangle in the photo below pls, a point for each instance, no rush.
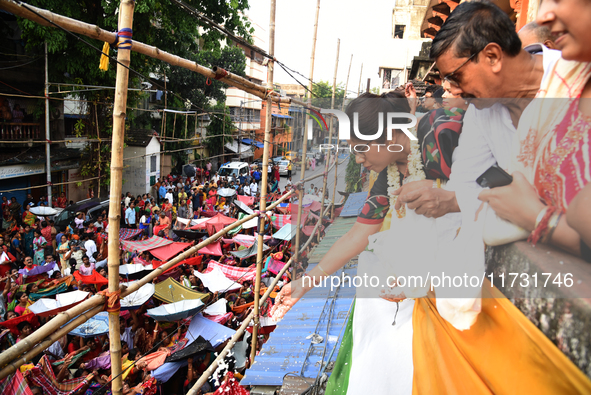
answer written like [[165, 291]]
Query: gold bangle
[[552, 225], [322, 270], [540, 216]]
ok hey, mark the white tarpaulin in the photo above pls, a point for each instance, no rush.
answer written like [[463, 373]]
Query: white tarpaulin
[[245, 150], [45, 307], [138, 298], [216, 281], [193, 222], [218, 308]]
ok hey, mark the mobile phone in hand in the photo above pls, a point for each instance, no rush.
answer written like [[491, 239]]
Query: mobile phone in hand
[[494, 177]]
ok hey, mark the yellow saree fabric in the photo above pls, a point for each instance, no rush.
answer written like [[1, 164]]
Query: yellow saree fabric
[[502, 353]]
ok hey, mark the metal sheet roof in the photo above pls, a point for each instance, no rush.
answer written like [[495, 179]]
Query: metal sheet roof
[[354, 204], [288, 350], [282, 116]]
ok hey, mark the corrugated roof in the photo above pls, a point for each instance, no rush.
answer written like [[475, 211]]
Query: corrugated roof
[[288, 350]]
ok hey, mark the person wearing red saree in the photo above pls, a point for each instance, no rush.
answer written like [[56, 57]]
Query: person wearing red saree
[[62, 201]]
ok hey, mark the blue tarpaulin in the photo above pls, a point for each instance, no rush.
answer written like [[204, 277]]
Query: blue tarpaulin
[[286, 233], [252, 142], [282, 116], [354, 204], [95, 326]]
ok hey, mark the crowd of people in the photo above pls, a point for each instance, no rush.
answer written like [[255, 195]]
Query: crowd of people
[[40, 261]]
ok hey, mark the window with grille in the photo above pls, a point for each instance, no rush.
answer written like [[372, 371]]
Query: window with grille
[[153, 164]]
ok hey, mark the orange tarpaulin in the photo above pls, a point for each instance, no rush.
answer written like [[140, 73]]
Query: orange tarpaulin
[[94, 278], [502, 353], [241, 308], [168, 251]]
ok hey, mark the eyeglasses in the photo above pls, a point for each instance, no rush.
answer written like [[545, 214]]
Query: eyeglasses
[[450, 77]]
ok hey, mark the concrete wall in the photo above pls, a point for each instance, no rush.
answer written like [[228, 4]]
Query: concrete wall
[[134, 170], [152, 148], [562, 313]]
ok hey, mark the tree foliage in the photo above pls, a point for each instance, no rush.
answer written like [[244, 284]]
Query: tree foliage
[[160, 23], [352, 176]]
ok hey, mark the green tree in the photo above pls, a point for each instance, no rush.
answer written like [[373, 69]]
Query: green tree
[[219, 131], [322, 94], [352, 176], [160, 23]]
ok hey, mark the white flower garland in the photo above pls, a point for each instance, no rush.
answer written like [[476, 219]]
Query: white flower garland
[[414, 172]]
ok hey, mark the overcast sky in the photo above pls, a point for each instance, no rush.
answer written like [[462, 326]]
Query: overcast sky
[[363, 27]]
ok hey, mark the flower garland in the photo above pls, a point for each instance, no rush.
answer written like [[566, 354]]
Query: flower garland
[[414, 172]]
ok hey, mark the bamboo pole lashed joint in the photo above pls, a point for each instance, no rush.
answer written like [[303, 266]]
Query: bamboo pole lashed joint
[[55, 336]]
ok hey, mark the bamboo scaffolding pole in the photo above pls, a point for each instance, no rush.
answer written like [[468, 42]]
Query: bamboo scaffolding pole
[[119, 114], [264, 183], [46, 330], [14, 365], [360, 75], [47, 131], [330, 130], [305, 137], [336, 159]]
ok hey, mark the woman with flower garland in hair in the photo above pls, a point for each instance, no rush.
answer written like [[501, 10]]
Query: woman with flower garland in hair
[[372, 343]]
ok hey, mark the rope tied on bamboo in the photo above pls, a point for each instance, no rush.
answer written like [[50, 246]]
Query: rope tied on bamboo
[[125, 33], [113, 300]]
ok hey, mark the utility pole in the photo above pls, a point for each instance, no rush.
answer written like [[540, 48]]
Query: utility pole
[[47, 134], [334, 88], [119, 114], [264, 183], [359, 86], [336, 159], [305, 137]]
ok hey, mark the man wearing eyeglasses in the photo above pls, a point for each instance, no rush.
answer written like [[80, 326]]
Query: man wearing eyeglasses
[[479, 55]]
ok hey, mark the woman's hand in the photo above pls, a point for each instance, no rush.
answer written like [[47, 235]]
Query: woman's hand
[[408, 188], [411, 94], [517, 202], [287, 298]]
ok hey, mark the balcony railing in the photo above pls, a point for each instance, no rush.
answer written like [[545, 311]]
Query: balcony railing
[[20, 131]]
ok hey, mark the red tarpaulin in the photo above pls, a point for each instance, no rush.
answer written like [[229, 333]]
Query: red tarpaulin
[[190, 261], [168, 251], [248, 200], [13, 322], [94, 278], [212, 249], [215, 224], [308, 229]]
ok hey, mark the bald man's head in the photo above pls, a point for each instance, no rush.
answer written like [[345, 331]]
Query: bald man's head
[[533, 33]]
